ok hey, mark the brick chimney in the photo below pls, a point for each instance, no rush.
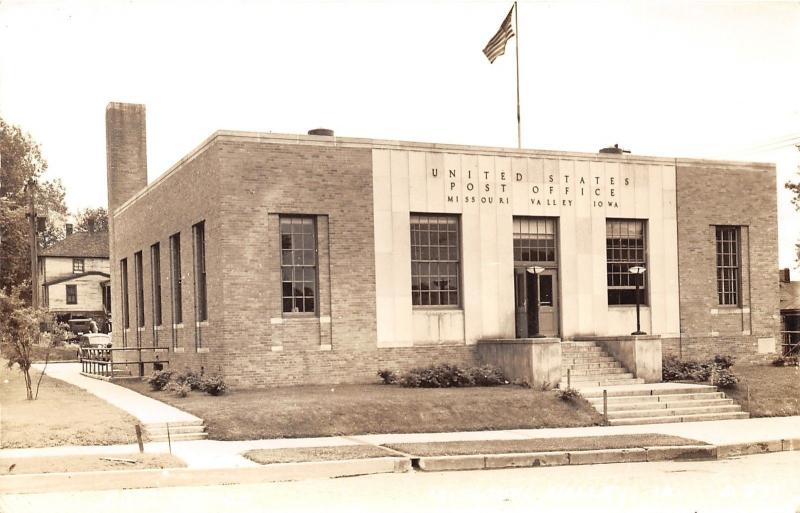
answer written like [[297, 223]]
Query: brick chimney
[[126, 152], [68, 228]]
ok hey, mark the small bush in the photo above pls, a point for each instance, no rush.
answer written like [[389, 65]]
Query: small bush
[[180, 389], [545, 386], [786, 361], [569, 395], [190, 378], [446, 375], [725, 379], [159, 380], [723, 361], [389, 377], [213, 385]]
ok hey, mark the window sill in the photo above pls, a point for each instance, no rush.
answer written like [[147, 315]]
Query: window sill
[[729, 309], [203, 350], [177, 326], [179, 350], [201, 324]]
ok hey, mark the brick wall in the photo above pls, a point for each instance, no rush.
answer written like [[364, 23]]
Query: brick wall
[[173, 205], [711, 194]]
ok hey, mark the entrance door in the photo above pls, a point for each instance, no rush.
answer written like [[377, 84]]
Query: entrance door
[[527, 288]]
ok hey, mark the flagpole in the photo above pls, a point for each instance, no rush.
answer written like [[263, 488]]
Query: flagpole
[[516, 29]]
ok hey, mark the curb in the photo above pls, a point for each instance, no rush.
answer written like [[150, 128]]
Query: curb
[[119, 479], [632, 455]]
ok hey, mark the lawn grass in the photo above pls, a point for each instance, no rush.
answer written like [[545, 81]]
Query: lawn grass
[[87, 463], [311, 411], [587, 443], [301, 454], [774, 391], [62, 415], [57, 354]]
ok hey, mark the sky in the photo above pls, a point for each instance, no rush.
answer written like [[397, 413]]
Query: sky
[[710, 79]]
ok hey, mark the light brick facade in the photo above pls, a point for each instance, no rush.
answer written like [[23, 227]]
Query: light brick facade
[[239, 184]]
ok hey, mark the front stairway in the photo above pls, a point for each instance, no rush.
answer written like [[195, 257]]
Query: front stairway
[[590, 365], [629, 400], [659, 403]]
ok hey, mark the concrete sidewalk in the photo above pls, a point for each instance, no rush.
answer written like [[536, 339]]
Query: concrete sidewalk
[[147, 410]]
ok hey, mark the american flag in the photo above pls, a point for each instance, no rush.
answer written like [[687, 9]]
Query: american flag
[[497, 45]]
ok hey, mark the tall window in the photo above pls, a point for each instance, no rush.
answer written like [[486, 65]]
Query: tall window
[[298, 264], [137, 269], [175, 277], [72, 294], [77, 265], [123, 269], [435, 258], [534, 239], [155, 278], [201, 304], [728, 265], [626, 247]]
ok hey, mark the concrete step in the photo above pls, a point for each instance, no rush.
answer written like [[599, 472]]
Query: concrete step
[[577, 343], [180, 437], [582, 350], [605, 371], [656, 399], [662, 405], [682, 418], [175, 430], [589, 365], [608, 382], [655, 390], [679, 412], [178, 423], [585, 359], [598, 376]]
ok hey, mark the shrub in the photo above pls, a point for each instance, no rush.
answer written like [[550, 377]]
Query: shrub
[[673, 369], [180, 389], [786, 361], [159, 380], [213, 385], [389, 377], [725, 379], [190, 378], [446, 375], [569, 395]]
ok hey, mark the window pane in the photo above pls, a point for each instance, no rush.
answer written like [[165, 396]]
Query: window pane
[[625, 248], [434, 259], [298, 264]]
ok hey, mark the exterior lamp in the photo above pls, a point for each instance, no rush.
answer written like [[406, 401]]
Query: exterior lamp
[[640, 270], [533, 299]]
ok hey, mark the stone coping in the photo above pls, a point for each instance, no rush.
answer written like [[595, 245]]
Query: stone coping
[[591, 338], [527, 341]]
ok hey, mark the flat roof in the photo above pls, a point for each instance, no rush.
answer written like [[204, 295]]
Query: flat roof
[[355, 142]]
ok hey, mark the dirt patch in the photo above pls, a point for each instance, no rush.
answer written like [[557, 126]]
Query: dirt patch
[[87, 463]]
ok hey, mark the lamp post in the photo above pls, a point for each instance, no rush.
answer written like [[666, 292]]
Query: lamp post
[[533, 298], [638, 270]]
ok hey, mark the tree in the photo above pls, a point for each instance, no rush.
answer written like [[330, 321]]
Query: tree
[[19, 329], [21, 161], [795, 188], [92, 220]]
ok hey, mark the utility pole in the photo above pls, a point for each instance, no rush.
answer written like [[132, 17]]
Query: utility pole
[[31, 186]]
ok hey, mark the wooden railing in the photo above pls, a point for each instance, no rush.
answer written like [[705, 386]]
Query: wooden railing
[[100, 361], [790, 343]]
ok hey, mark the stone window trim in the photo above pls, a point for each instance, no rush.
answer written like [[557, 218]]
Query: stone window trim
[[78, 266], [436, 261]]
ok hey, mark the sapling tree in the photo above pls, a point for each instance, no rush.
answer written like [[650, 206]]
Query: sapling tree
[[19, 329]]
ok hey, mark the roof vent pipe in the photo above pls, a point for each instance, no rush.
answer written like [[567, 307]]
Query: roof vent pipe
[[321, 131], [616, 150]]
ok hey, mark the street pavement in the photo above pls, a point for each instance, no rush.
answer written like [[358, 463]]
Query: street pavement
[[758, 483]]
